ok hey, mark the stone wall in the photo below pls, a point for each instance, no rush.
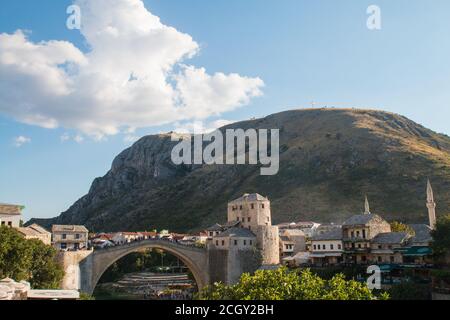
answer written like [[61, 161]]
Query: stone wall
[[70, 261], [268, 243], [227, 266]]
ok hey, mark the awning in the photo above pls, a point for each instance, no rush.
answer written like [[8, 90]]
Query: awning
[[324, 255], [417, 252]]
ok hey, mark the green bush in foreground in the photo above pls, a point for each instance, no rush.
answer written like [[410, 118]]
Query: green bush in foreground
[[282, 284], [29, 260]]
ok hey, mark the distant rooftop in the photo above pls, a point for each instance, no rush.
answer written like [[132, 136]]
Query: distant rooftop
[[237, 232], [361, 219], [250, 197], [391, 237], [422, 233], [334, 234], [68, 228], [11, 209]]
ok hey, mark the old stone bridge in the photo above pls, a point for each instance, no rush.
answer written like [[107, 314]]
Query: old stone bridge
[[83, 269]]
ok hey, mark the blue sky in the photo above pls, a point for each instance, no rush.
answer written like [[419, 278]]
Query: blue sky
[[303, 51]]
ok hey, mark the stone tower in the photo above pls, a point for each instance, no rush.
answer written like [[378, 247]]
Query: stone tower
[[366, 206], [431, 205], [253, 213]]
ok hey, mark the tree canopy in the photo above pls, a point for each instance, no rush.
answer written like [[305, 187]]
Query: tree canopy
[[283, 284], [441, 237], [29, 260], [401, 227]]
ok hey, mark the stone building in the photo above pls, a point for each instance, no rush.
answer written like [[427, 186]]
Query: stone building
[[358, 231], [69, 237], [327, 248], [253, 213], [36, 232], [387, 247], [10, 215], [235, 239], [292, 241], [307, 227]]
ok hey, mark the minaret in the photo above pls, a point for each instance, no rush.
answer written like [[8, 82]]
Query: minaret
[[431, 205], [366, 206]]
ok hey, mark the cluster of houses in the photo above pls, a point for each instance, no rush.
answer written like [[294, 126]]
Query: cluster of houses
[[362, 239], [106, 240]]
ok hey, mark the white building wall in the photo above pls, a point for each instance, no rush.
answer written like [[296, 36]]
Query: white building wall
[[10, 220]]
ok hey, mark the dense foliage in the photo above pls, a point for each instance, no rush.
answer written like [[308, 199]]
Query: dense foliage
[[410, 291], [29, 260], [282, 284], [401, 227], [441, 237]]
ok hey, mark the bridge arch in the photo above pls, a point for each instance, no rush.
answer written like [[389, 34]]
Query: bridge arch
[[100, 260]]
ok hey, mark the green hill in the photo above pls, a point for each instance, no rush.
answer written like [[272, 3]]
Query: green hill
[[330, 158]]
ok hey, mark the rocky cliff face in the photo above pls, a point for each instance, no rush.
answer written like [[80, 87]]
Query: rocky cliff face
[[330, 158]]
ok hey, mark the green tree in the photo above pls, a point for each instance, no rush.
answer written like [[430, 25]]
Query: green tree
[[401, 227], [29, 260], [441, 237], [283, 284], [410, 291]]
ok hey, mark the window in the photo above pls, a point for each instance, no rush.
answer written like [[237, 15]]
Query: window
[[352, 234], [314, 246], [223, 242], [245, 242], [235, 242], [76, 246], [252, 206], [380, 246], [3, 223], [324, 247], [357, 234], [249, 219], [64, 236], [240, 207], [380, 259], [9, 223], [339, 247], [237, 218], [243, 219], [364, 233], [363, 258], [217, 242], [251, 242], [359, 245], [77, 236], [211, 233], [268, 219], [331, 246], [63, 246], [392, 259], [262, 206]]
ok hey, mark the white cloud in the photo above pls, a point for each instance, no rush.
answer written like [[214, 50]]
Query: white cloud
[[78, 138], [65, 137], [21, 140], [133, 76]]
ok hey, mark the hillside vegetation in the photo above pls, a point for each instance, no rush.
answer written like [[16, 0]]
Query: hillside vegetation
[[330, 159]]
